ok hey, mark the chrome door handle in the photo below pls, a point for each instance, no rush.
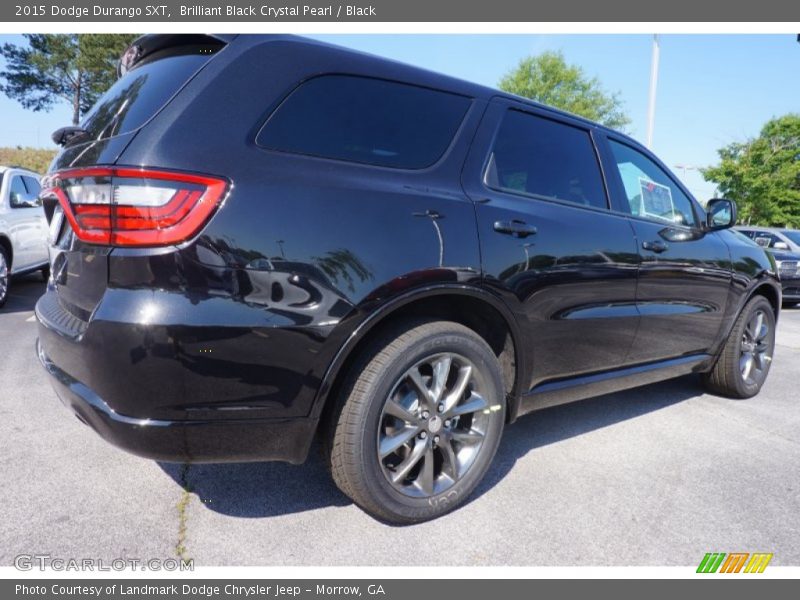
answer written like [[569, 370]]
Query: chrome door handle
[[656, 246], [515, 227]]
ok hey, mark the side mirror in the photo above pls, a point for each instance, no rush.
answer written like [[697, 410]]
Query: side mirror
[[720, 214], [780, 246]]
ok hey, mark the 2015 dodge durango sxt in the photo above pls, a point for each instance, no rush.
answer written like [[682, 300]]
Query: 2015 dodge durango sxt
[[260, 239]]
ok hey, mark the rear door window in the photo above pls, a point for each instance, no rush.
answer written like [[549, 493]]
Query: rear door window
[[548, 159], [365, 120], [143, 91]]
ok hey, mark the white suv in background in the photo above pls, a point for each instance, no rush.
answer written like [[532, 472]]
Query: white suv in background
[[23, 227]]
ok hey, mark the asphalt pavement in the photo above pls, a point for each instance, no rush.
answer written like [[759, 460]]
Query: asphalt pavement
[[658, 475]]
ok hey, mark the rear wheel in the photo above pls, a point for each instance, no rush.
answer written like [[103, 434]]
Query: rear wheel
[[419, 421], [744, 363], [5, 276]]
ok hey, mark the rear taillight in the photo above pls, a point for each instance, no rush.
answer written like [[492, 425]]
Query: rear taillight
[[126, 206]]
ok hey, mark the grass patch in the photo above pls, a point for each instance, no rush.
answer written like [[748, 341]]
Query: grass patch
[[35, 159]]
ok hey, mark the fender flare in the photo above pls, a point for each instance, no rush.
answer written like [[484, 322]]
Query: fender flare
[[386, 309]]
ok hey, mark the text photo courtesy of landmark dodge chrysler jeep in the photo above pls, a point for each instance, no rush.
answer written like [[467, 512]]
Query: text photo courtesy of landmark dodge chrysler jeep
[[395, 261]]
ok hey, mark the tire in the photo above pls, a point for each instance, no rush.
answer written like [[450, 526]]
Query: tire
[[5, 276], [746, 357], [45, 273], [396, 443]]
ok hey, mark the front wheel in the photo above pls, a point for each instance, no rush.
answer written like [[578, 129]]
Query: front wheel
[[5, 276], [745, 360], [418, 423]]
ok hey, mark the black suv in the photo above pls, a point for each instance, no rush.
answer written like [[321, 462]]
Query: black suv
[[257, 240]]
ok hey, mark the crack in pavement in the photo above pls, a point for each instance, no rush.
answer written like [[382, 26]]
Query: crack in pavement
[[182, 506]]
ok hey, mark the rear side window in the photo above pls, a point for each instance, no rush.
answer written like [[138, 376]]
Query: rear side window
[[365, 120], [143, 91], [543, 158]]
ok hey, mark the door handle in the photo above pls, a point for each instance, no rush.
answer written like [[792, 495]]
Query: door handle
[[656, 246], [514, 227]]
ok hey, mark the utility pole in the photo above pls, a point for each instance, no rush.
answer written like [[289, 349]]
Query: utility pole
[[651, 104]]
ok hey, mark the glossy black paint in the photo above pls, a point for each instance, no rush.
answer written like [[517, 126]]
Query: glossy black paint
[[227, 347]]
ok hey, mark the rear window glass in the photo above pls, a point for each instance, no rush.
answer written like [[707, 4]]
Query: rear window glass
[[142, 92], [365, 120]]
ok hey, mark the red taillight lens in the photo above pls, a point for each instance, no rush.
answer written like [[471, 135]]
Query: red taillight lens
[[125, 206]]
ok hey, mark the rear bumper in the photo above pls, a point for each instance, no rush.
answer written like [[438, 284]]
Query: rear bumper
[[187, 440]]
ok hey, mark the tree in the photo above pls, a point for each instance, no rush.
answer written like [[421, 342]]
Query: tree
[[51, 68], [547, 78], [763, 174]]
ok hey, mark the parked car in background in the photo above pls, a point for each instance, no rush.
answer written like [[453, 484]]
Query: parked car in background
[[261, 239], [784, 245], [23, 227]]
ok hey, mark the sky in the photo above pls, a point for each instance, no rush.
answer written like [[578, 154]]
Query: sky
[[712, 89]]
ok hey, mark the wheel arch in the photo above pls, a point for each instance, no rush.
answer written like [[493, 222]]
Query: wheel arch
[[471, 306], [770, 292]]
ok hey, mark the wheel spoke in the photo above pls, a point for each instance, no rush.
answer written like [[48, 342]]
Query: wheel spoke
[[425, 477], [441, 370], [450, 462], [390, 444], [423, 393], [759, 330], [746, 365], [409, 462], [466, 437], [474, 404], [399, 411], [758, 360], [455, 395]]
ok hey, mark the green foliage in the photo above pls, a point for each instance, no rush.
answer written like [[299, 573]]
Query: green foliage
[[35, 159], [53, 68], [547, 78], [763, 174]]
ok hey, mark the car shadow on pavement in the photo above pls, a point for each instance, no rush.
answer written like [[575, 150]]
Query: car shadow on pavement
[[563, 422], [258, 490], [23, 293]]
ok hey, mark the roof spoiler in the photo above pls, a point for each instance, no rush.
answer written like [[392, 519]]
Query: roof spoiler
[[146, 45]]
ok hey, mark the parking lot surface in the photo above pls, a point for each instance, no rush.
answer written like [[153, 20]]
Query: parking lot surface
[[657, 475]]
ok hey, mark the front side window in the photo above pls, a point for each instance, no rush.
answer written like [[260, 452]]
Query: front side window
[[364, 120], [535, 156], [649, 191]]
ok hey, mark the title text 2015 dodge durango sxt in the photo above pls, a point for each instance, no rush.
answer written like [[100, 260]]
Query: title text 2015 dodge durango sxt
[[256, 240]]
